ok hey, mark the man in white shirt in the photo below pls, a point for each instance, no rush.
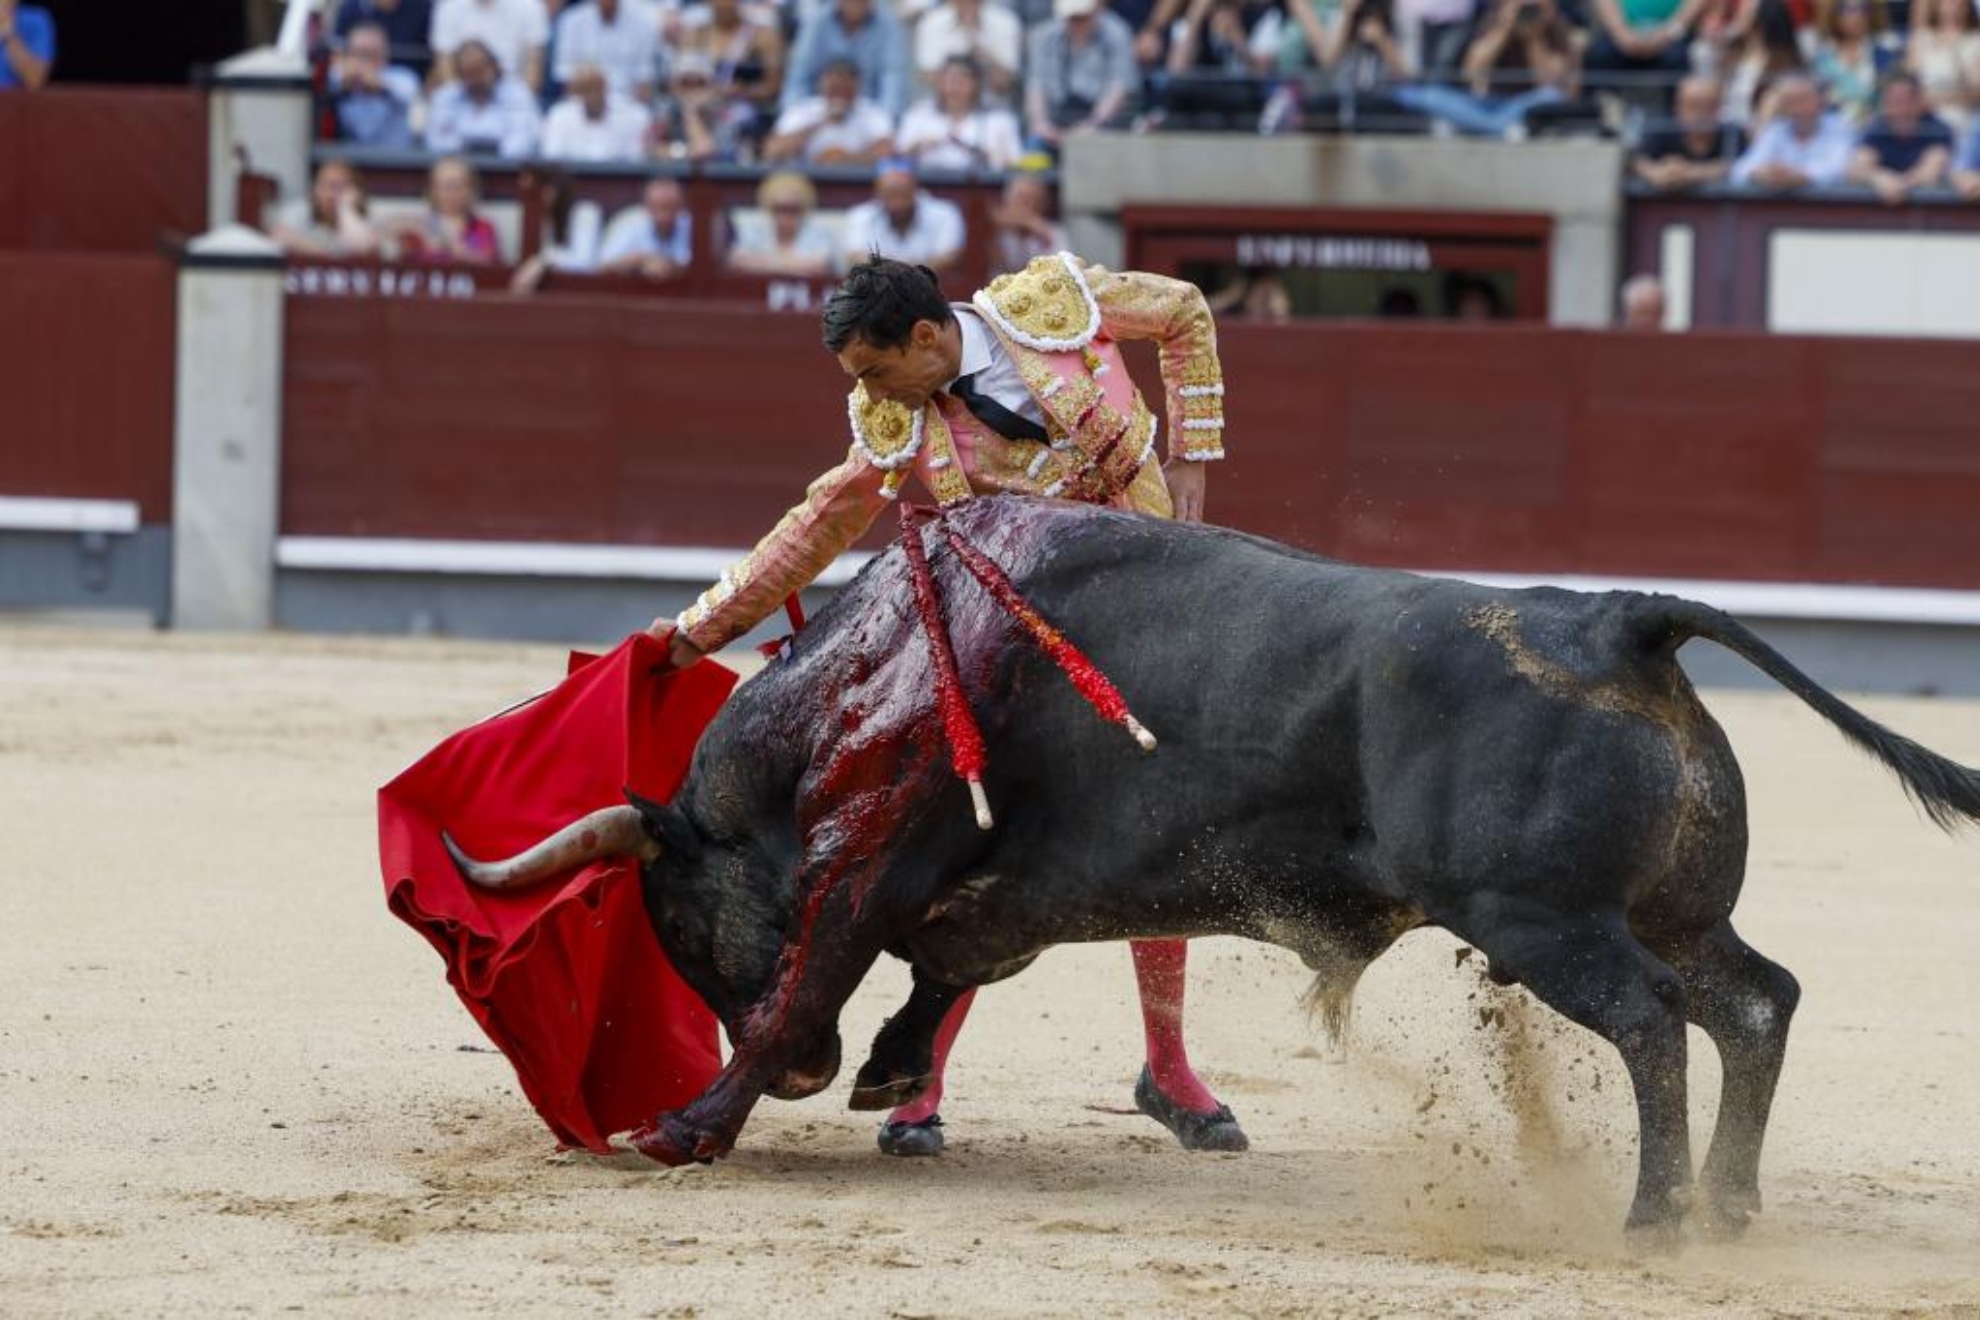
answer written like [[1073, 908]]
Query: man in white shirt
[[594, 123], [836, 127], [620, 37], [1804, 146], [483, 112], [982, 31], [903, 223], [515, 31], [659, 244]]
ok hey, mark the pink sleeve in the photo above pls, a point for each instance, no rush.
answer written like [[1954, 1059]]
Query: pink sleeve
[[838, 508]]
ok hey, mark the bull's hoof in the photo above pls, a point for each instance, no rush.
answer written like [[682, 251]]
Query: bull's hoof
[[1217, 1130], [669, 1140], [885, 1092], [1655, 1228], [1725, 1214], [912, 1139]]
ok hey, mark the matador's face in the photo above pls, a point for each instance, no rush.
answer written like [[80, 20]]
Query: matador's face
[[910, 374]]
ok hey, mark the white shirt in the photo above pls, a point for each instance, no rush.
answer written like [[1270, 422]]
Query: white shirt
[[569, 134], [936, 230], [985, 358], [864, 126], [507, 27], [983, 139], [940, 35], [626, 49]]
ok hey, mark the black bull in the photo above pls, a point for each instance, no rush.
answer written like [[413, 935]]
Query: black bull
[[1345, 754]]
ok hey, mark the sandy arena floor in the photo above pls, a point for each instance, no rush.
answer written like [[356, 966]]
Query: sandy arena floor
[[231, 1082]]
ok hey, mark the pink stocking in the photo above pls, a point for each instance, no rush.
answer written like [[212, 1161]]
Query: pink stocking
[[925, 1104], [1158, 967]]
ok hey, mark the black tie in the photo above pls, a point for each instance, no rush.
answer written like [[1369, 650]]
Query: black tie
[[993, 414]]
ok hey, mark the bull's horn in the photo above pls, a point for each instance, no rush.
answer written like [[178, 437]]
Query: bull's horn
[[610, 832]]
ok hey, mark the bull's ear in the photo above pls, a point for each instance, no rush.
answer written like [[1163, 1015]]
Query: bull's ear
[[666, 824]]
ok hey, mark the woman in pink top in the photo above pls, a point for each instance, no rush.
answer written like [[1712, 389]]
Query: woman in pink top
[[450, 230]]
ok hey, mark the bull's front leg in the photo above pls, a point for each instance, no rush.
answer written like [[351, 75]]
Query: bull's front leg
[[820, 968]]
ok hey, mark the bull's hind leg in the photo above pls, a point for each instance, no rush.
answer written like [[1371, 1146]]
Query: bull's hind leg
[[1593, 971], [1744, 1003]]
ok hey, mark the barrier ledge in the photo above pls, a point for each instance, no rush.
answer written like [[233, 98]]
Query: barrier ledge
[[363, 554], [50, 514]]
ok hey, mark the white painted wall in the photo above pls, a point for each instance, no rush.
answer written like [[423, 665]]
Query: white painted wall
[[1896, 283]]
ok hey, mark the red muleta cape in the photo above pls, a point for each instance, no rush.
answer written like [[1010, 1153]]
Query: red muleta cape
[[566, 977]]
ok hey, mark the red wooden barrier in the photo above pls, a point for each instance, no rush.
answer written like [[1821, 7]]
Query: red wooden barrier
[[86, 378], [101, 170], [1515, 449]]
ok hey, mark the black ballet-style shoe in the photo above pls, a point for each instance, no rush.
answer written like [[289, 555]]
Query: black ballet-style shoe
[[1217, 1130], [923, 1138]]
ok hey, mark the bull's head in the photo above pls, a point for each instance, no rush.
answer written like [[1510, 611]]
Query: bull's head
[[719, 902]]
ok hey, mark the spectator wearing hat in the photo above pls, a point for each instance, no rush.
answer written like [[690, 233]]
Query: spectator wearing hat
[[619, 38], [904, 223], [1082, 73], [371, 98], [27, 46], [955, 130], [483, 111], [693, 120], [863, 33], [1906, 147], [593, 123], [1803, 146], [838, 126], [513, 31]]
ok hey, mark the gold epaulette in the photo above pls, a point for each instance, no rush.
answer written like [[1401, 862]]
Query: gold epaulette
[[1046, 306]]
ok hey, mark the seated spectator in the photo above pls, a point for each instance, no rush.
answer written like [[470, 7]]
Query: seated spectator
[[593, 123], [1640, 36], [1366, 54], [1257, 294], [836, 127], [1769, 51], [1906, 147], [619, 38], [745, 54], [1224, 36], [371, 99], [408, 27], [483, 112], [1399, 302], [27, 46], [862, 33], [794, 241], [1469, 297], [904, 223], [330, 222], [657, 241], [1643, 303], [1847, 59], [450, 230], [1966, 170], [1025, 229], [694, 120], [513, 31], [1081, 73], [982, 31], [954, 130], [1944, 51], [1440, 30], [569, 241], [1696, 148], [1305, 35], [1804, 145], [1523, 57]]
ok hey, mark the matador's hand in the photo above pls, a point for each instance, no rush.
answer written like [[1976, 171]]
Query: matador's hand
[[1186, 479], [680, 651]]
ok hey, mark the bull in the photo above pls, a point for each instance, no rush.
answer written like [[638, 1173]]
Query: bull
[[1345, 754]]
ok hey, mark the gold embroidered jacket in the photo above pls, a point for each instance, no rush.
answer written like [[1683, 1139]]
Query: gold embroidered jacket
[[1061, 320]]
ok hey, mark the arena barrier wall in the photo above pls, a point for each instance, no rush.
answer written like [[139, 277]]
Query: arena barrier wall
[[86, 375], [102, 169]]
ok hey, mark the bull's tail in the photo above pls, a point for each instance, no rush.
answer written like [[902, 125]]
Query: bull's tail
[[1946, 791]]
